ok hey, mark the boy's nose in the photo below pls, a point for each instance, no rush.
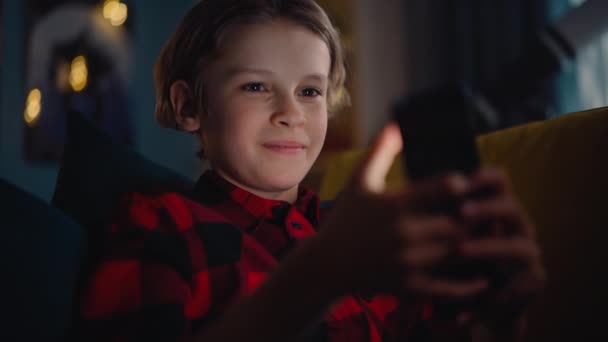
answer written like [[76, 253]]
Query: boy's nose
[[288, 113]]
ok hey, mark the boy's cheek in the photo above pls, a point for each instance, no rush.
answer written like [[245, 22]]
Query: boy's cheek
[[320, 128], [247, 111]]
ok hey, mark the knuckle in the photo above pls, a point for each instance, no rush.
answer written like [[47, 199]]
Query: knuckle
[[409, 260], [510, 202], [500, 175], [447, 225], [414, 282], [495, 173], [465, 289], [453, 291], [535, 251], [407, 232], [443, 223], [451, 185]]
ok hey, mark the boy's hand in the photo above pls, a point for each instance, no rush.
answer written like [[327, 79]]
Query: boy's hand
[[512, 245], [390, 242]]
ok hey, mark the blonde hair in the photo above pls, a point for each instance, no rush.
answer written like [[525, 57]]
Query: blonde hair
[[198, 39]]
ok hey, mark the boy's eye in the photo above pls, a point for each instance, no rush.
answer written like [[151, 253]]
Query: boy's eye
[[254, 87], [311, 92]]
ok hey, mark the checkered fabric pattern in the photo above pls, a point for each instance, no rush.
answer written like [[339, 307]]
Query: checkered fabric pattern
[[173, 264]]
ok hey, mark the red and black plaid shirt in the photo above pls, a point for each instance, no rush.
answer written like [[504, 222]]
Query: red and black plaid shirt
[[174, 263]]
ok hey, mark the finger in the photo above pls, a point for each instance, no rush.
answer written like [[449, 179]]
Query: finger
[[464, 318], [445, 289], [371, 174], [490, 177], [429, 228], [443, 189], [501, 209], [521, 249], [426, 256]]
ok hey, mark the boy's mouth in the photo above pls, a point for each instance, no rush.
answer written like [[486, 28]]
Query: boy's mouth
[[285, 147]]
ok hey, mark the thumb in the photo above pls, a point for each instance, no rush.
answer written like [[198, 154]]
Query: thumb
[[371, 175]]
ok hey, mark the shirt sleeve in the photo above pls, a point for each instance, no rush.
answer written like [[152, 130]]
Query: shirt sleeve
[[415, 320], [142, 288]]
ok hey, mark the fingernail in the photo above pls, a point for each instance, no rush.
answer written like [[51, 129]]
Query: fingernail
[[468, 208], [464, 247], [482, 284], [458, 182], [464, 318]]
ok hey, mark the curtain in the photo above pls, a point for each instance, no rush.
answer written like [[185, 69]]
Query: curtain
[[585, 84], [471, 42]]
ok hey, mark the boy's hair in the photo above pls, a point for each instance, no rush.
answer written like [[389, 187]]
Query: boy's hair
[[198, 39]]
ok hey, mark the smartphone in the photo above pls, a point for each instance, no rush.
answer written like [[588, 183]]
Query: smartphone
[[439, 133], [439, 130]]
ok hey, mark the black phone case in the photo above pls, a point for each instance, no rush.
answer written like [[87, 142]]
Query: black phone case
[[438, 129]]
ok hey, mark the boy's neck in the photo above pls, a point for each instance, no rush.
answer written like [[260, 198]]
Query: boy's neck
[[289, 195]]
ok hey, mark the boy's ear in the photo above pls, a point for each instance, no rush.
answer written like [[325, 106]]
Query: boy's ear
[[182, 101]]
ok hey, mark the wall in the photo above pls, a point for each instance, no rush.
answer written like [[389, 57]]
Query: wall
[[381, 62], [154, 20]]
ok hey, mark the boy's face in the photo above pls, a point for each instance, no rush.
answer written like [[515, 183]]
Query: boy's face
[[267, 107]]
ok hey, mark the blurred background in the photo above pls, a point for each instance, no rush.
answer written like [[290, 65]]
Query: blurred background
[[97, 56]]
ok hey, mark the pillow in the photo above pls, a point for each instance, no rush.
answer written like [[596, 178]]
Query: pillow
[[559, 170], [95, 172], [42, 252]]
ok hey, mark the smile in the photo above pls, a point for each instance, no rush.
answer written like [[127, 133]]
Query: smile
[[285, 147]]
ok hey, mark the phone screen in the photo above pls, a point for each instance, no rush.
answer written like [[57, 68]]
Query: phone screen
[[438, 133]]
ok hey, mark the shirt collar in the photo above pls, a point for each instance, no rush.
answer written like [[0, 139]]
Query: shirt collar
[[307, 202]]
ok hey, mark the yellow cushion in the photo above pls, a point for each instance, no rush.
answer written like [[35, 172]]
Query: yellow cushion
[[559, 170]]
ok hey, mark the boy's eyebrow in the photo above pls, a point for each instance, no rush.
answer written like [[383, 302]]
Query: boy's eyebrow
[[236, 71], [318, 77]]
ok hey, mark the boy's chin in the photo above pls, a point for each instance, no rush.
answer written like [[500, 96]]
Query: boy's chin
[[280, 183]]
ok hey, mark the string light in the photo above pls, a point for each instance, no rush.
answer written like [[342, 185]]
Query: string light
[[115, 11], [33, 107], [79, 73]]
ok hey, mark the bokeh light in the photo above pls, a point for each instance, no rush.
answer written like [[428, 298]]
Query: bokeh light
[[79, 73], [33, 107], [115, 11]]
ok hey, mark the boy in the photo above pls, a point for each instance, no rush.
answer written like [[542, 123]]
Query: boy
[[245, 257]]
